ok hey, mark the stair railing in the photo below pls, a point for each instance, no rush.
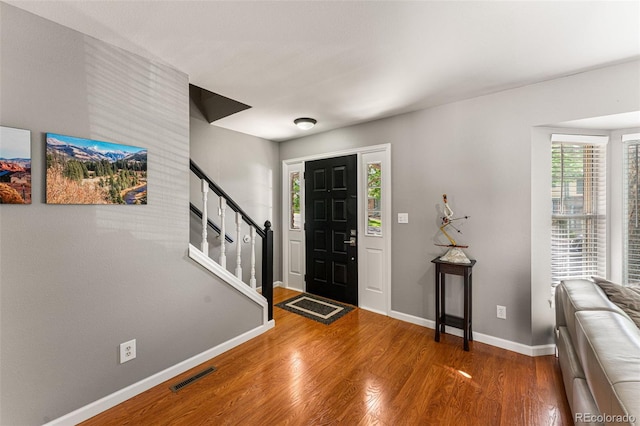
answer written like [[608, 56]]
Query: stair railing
[[265, 233]]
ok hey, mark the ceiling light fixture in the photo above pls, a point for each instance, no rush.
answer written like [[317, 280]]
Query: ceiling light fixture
[[305, 123]]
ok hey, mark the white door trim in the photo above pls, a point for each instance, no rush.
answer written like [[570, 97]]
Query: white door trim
[[383, 306]]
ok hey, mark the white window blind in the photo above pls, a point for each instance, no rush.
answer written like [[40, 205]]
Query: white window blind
[[631, 222], [578, 193]]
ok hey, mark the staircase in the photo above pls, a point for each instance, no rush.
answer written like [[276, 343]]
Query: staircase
[[261, 294]]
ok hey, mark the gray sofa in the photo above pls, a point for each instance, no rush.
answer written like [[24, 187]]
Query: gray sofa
[[598, 349]]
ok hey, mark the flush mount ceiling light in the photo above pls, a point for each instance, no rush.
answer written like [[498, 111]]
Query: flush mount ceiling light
[[305, 123]]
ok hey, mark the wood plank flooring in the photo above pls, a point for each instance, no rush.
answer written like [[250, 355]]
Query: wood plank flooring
[[364, 369]]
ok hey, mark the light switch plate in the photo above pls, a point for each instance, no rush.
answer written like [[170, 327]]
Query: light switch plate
[[403, 217]]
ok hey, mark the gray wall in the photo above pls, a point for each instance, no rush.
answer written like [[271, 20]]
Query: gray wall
[[248, 169], [478, 151], [76, 281]]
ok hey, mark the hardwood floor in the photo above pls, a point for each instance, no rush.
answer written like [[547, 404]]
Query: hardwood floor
[[364, 369]]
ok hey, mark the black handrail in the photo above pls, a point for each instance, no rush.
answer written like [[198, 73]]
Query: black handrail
[[215, 227], [220, 192], [266, 234]]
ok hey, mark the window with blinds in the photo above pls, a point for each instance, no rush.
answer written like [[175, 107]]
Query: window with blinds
[[631, 222], [578, 193]]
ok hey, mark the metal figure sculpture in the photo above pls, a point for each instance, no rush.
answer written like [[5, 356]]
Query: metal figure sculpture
[[455, 253]]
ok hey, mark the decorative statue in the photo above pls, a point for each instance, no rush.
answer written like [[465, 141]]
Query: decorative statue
[[455, 253]]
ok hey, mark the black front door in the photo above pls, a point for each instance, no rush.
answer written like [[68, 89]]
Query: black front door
[[331, 225]]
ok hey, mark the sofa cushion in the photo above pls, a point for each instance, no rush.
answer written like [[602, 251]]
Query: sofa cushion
[[608, 346], [583, 295], [627, 298]]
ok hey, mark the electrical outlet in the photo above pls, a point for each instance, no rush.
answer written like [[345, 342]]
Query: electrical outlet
[[501, 312], [127, 351]]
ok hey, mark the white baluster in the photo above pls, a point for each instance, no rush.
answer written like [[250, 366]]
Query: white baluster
[[252, 281], [223, 249], [204, 246], [238, 246]]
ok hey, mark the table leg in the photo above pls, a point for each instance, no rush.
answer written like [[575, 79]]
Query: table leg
[[466, 312], [443, 309], [437, 338], [470, 306]]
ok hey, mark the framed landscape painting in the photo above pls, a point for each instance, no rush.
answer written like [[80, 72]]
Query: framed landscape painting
[[15, 166], [86, 171]]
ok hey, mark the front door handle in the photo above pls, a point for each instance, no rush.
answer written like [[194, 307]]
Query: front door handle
[[351, 241]]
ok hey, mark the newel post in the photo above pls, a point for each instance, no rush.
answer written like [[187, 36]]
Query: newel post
[[267, 266]]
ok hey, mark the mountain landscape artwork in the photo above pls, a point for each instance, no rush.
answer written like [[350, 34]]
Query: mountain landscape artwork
[[86, 171], [15, 166]]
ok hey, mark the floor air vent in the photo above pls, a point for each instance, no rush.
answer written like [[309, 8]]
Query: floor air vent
[[194, 378]]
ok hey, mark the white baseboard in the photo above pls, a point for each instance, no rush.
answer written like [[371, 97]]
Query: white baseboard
[[290, 287], [109, 401], [375, 311], [520, 348], [275, 284], [543, 350]]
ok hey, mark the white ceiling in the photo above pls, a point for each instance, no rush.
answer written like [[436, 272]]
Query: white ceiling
[[626, 120], [346, 62]]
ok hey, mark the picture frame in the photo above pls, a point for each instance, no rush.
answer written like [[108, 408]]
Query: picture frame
[[15, 166], [88, 171]]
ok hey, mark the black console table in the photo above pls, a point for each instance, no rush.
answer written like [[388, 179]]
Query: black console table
[[442, 319]]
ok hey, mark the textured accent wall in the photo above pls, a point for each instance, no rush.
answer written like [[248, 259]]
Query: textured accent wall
[[76, 281]]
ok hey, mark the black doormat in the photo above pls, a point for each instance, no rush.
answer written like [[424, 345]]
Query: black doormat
[[316, 308]]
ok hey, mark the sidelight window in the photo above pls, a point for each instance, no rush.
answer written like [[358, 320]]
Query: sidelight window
[[294, 201], [374, 194]]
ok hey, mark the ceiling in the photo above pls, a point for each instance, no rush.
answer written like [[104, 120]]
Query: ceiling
[[625, 120], [347, 62]]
